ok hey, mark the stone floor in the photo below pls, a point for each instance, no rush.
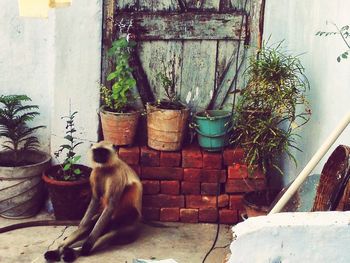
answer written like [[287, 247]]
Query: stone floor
[[185, 243]]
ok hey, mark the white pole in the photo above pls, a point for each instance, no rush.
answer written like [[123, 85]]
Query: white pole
[[311, 164]]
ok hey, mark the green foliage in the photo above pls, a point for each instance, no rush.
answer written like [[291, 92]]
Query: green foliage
[[344, 33], [14, 119], [118, 98], [69, 170], [168, 81], [271, 107]]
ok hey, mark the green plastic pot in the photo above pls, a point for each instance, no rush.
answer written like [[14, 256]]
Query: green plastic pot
[[212, 127]]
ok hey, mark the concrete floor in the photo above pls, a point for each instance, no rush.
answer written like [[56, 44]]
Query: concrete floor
[[185, 243]]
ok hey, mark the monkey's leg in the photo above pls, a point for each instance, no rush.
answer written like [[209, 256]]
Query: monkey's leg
[[80, 233]]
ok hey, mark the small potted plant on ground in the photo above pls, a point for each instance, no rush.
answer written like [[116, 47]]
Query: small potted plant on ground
[[68, 182], [119, 119], [167, 119], [270, 109], [21, 163]]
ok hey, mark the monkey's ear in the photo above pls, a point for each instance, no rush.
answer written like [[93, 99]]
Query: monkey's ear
[[115, 147]]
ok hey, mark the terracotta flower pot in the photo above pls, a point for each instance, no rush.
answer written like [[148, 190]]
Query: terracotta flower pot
[[70, 199], [166, 128], [257, 203], [119, 128]]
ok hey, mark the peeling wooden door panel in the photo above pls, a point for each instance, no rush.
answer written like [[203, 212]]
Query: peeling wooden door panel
[[201, 36], [186, 26], [203, 4], [156, 55], [198, 73]]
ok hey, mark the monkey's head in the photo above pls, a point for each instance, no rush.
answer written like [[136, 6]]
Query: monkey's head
[[103, 153]]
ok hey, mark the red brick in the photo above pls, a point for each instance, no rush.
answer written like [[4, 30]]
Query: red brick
[[169, 214], [241, 171], [150, 213], [189, 215], [170, 187], [212, 160], [208, 215], [235, 155], [236, 202], [192, 175], [149, 157], [161, 200], [190, 188], [210, 188], [244, 185], [223, 201], [150, 187], [213, 176], [200, 201], [228, 216], [170, 159], [136, 168], [192, 157], [162, 173], [130, 155]]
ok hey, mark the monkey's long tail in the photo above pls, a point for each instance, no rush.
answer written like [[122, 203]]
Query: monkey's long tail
[[39, 223]]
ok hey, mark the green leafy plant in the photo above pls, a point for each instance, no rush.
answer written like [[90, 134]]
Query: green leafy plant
[[271, 107], [344, 33], [168, 83], [118, 98], [14, 119], [69, 171]]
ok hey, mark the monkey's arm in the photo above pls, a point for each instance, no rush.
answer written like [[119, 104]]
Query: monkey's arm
[[90, 212]]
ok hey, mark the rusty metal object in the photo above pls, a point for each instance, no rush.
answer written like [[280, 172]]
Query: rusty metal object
[[334, 178]]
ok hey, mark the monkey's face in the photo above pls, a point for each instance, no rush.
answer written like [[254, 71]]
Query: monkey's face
[[103, 154]]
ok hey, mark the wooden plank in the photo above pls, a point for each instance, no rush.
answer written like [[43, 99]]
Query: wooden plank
[[203, 4], [228, 71], [198, 73], [186, 26], [157, 54], [126, 4]]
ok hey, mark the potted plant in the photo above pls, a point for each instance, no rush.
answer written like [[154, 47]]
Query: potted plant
[[21, 163], [270, 109], [119, 119], [167, 119], [68, 182]]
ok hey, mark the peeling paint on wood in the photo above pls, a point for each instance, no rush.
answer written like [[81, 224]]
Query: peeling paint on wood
[[201, 34], [198, 72], [185, 26]]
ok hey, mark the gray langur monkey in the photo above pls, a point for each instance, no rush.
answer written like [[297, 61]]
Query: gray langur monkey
[[114, 212]]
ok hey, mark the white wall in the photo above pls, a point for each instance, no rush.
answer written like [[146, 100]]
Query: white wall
[[321, 237], [297, 22], [53, 61]]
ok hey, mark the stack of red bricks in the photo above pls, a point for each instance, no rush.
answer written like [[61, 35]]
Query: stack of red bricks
[[192, 185]]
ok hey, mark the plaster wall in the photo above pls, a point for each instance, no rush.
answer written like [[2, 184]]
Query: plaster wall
[[320, 237], [55, 61], [296, 22]]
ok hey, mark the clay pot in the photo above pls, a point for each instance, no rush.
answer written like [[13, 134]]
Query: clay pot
[[22, 193], [166, 127], [70, 199], [257, 203], [119, 128]]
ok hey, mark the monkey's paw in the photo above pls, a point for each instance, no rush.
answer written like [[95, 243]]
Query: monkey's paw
[[69, 254], [52, 255], [86, 248]]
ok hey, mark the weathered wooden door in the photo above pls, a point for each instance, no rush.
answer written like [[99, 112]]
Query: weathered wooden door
[[200, 39]]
